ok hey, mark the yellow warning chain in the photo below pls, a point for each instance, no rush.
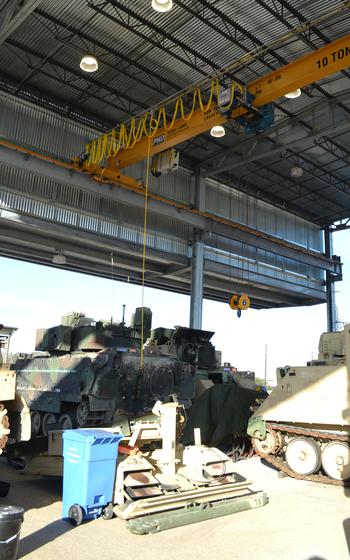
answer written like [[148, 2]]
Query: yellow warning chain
[[126, 135], [144, 248]]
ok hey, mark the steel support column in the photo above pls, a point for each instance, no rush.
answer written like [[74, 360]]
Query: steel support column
[[331, 307], [196, 303]]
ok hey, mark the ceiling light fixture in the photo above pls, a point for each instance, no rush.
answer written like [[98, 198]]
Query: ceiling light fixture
[[162, 5], [293, 94], [59, 258], [89, 63], [218, 131], [297, 171]]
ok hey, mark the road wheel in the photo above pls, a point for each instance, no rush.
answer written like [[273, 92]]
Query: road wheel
[[67, 422], [303, 456], [82, 413], [49, 418], [336, 460], [35, 418]]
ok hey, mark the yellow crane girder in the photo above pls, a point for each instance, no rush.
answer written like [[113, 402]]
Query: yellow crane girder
[[303, 71]]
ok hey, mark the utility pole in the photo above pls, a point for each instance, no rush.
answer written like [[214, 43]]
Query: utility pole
[[265, 363]]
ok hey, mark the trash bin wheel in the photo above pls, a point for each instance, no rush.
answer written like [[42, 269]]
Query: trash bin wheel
[[107, 512], [75, 515]]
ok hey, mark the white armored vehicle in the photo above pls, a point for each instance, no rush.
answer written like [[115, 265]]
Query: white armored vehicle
[[303, 427]]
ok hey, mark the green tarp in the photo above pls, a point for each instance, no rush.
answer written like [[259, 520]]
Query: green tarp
[[221, 412]]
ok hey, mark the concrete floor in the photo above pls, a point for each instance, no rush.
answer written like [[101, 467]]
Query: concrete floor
[[302, 521]]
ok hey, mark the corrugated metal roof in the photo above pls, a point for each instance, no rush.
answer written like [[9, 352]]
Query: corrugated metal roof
[[145, 56]]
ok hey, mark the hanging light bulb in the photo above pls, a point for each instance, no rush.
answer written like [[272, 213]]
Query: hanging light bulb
[[293, 94], [162, 5], [59, 258], [297, 171], [218, 131], [89, 63]]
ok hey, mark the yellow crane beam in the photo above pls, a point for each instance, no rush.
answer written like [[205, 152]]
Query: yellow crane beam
[[303, 71]]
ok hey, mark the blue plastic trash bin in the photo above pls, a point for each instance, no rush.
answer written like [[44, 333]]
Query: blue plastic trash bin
[[88, 473]]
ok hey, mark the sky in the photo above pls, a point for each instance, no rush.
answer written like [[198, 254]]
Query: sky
[[34, 296]]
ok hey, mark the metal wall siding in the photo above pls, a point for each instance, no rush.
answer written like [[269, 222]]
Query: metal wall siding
[[261, 263], [38, 128], [235, 249], [248, 270], [43, 129], [25, 124], [247, 210], [57, 214]]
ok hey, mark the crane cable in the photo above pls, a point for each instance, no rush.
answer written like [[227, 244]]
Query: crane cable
[[144, 248]]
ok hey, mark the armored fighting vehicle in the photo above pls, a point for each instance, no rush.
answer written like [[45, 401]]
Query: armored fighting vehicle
[[14, 413], [84, 372], [189, 345], [303, 427]]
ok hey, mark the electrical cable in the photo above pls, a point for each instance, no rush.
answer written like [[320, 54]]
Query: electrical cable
[[128, 134]]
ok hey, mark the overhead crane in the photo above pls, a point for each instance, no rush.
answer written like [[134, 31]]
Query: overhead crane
[[305, 70], [143, 137]]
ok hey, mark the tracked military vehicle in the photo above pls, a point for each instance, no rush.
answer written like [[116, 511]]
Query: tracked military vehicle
[[14, 413], [83, 372], [189, 345], [303, 427]]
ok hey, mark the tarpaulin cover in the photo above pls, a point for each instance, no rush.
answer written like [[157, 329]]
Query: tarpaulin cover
[[220, 412]]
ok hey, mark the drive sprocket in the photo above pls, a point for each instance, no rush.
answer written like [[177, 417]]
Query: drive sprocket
[[269, 445]]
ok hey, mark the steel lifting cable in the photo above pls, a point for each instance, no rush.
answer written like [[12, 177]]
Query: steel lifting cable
[[144, 247]]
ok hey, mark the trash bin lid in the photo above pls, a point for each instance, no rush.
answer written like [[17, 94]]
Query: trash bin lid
[[90, 435], [11, 512]]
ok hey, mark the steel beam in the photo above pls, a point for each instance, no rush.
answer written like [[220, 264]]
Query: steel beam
[[32, 233], [196, 302], [203, 221], [6, 13], [227, 34], [38, 247], [285, 183], [240, 278], [324, 118], [27, 230], [254, 189], [158, 31], [330, 291], [328, 178], [302, 36], [37, 241], [261, 296], [343, 224], [25, 9], [121, 96], [118, 54], [200, 190]]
